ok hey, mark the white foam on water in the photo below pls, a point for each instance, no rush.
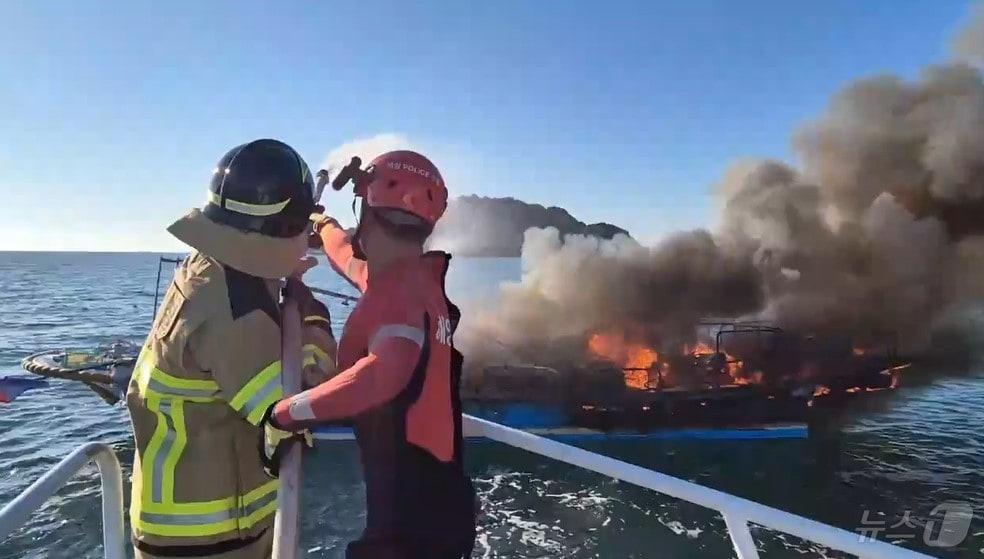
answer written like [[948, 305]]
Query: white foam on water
[[677, 528], [482, 543]]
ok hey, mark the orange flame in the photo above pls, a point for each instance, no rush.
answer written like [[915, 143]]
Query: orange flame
[[635, 358], [699, 349], [637, 379], [628, 355]]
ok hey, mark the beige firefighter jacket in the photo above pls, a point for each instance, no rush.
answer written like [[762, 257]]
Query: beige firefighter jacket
[[207, 373]]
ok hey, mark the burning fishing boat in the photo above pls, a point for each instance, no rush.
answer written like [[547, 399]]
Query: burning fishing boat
[[738, 380], [742, 374]]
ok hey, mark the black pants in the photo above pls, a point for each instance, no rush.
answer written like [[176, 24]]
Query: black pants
[[402, 548]]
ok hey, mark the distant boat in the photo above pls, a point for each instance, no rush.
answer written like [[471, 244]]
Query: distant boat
[[13, 386]]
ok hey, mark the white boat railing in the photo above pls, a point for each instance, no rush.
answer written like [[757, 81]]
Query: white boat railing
[[737, 512], [16, 512]]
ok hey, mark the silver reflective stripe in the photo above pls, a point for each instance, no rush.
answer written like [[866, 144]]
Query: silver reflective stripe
[[189, 519], [261, 395], [387, 331], [300, 408], [157, 490], [259, 503], [162, 388]]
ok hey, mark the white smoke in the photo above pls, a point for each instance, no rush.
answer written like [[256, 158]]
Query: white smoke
[[340, 207], [875, 236], [365, 148]]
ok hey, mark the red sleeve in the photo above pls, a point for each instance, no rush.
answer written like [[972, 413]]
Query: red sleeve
[[395, 344], [371, 381], [338, 248]]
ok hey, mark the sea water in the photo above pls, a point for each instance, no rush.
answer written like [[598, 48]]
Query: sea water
[[889, 462]]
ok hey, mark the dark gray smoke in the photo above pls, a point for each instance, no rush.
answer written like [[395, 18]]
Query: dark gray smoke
[[876, 234], [968, 44], [573, 288]]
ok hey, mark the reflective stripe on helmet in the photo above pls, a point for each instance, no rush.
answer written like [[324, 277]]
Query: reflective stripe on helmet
[[316, 318], [412, 333], [259, 393], [258, 210]]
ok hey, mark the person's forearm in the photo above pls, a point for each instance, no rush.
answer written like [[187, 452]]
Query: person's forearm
[[341, 256], [371, 381]]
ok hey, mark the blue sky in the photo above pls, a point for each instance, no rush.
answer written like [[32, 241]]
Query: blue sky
[[112, 114]]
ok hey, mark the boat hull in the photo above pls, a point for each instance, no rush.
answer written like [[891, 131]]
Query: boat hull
[[556, 423]]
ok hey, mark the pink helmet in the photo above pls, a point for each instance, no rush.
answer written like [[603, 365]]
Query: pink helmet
[[405, 180]]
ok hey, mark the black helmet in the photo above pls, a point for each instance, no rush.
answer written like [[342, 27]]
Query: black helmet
[[263, 187]]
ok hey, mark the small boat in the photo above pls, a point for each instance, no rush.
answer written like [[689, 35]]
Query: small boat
[[105, 369]]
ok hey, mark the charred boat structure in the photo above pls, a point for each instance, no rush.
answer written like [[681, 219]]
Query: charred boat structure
[[743, 380], [746, 374]]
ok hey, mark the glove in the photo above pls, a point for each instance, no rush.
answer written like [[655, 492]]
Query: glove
[[275, 442], [317, 217], [319, 221]]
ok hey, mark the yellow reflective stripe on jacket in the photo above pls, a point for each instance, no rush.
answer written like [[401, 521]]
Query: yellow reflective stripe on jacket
[[159, 514], [152, 380], [211, 517], [169, 461], [313, 354], [160, 446], [164, 449], [260, 393], [259, 503]]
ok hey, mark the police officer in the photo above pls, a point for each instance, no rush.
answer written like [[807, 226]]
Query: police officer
[[211, 365], [399, 369]]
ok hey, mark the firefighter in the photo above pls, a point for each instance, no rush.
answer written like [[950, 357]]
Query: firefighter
[[211, 365], [399, 369]]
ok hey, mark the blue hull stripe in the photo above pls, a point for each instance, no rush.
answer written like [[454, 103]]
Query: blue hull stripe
[[785, 431]]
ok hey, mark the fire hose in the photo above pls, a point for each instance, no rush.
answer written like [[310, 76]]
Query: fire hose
[[286, 523]]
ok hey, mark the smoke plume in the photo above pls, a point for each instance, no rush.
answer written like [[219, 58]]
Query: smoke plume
[[582, 284], [968, 44], [875, 234], [366, 148]]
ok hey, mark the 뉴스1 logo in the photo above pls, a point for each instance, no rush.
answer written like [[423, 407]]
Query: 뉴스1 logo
[[946, 526]]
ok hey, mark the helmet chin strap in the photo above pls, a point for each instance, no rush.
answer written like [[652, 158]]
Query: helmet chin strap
[[357, 251]]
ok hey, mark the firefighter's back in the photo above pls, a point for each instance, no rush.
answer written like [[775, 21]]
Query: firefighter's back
[[198, 482]]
